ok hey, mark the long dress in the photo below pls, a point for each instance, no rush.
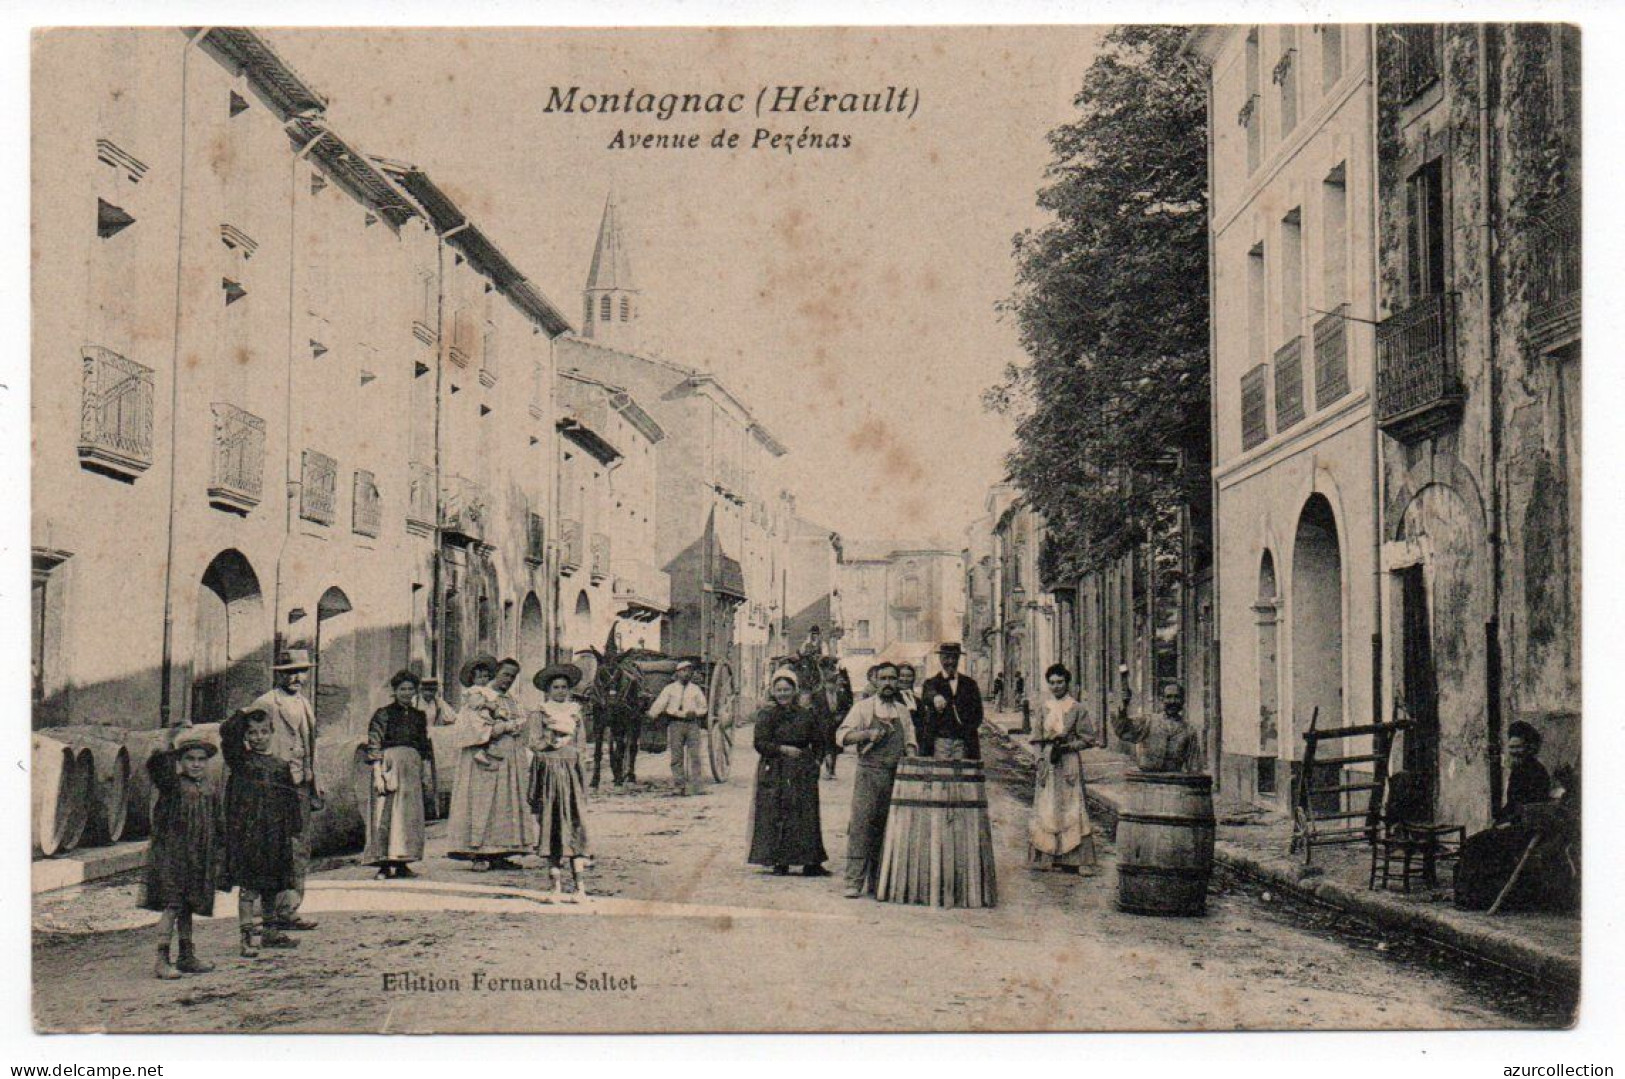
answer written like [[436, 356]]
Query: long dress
[[558, 789], [1059, 832], [262, 815], [489, 817], [183, 859], [398, 739], [1489, 858], [785, 827]]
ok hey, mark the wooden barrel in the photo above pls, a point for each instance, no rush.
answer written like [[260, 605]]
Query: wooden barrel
[[1165, 844], [62, 785], [938, 849], [109, 806]]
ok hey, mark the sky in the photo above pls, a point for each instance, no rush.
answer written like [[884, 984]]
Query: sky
[[847, 295]]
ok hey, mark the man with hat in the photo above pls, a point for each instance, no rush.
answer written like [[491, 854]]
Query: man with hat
[[951, 710], [293, 740], [683, 706]]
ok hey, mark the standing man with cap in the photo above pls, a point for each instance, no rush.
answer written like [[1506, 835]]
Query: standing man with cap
[[880, 729], [951, 704], [293, 740], [684, 707]]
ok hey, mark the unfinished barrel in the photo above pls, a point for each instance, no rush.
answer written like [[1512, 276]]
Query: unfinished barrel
[[938, 849], [109, 805], [62, 786], [1165, 844]]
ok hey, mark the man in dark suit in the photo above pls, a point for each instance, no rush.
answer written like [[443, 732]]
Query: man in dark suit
[[951, 704]]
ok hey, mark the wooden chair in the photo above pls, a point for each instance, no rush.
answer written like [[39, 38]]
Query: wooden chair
[[1408, 846], [1321, 813]]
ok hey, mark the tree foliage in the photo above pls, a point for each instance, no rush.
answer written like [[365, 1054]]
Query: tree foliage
[[1111, 303]]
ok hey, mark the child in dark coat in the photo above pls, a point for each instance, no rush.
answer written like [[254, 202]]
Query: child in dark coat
[[262, 822], [183, 859]]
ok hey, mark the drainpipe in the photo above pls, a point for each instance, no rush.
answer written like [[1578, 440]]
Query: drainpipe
[[290, 485], [437, 624], [1378, 478], [1486, 227], [1216, 721], [166, 687]]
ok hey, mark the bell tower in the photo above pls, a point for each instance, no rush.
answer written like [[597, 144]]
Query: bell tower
[[611, 297]]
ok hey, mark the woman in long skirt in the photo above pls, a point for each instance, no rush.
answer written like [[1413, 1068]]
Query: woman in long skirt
[[397, 747], [1059, 835], [785, 829], [558, 789], [489, 821]]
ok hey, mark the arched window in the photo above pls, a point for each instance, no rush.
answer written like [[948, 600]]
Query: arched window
[[626, 308], [605, 314]]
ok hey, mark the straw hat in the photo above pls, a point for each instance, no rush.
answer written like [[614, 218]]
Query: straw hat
[[483, 659], [292, 659], [567, 671]]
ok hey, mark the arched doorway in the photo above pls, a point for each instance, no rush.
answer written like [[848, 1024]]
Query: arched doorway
[[335, 658], [1266, 608], [231, 642], [532, 634], [1317, 620], [578, 629]]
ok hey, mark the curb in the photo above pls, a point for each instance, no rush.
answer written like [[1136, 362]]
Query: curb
[[1488, 943]]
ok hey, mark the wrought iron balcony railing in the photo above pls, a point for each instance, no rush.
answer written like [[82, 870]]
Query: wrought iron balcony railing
[[366, 507], [1255, 425], [1419, 389], [115, 414], [1289, 384], [1554, 272], [570, 545], [237, 479], [463, 508], [318, 488], [535, 538], [1332, 357]]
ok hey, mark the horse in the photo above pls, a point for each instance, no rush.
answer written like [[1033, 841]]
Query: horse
[[616, 702]]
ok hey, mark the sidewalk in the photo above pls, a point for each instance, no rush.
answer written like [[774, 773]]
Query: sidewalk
[[1254, 843]]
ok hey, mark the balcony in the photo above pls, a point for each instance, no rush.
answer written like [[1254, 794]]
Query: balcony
[[1417, 54], [318, 488], [115, 414], [599, 568], [237, 480], [420, 498], [1255, 427], [1554, 274], [1289, 384], [366, 507], [1419, 390], [1332, 357], [570, 546], [643, 592], [535, 539], [464, 507]]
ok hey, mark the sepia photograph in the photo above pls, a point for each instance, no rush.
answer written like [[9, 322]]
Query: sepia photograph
[[765, 529]]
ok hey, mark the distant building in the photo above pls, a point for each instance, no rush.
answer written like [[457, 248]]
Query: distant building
[[899, 603], [722, 513], [813, 588]]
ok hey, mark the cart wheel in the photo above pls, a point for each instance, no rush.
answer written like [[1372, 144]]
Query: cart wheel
[[724, 702]]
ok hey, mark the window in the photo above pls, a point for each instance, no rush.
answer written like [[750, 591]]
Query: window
[[1334, 238], [1331, 56], [1291, 273], [605, 310], [1424, 231], [1249, 117], [863, 629], [1286, 77], [626, 309], [1257, 339], [1417, 46]]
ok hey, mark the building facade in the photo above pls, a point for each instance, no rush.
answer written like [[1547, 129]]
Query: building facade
[[608, 469], [1478, 397], [1293, 292], [813, 586], [261, 448]]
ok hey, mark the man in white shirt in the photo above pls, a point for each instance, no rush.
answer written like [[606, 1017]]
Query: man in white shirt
[[293, 739], [683, 705], [880, 729]]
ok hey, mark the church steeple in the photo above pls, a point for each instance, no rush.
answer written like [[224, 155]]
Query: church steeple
[[611, 298]]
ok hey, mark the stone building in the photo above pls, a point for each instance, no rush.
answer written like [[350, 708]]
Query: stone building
[[814, 594], [898, 603], [1293, 300], [1024, 609], [607, 498], [1478, 396], [722, 511], [980, 627], [246, 431]]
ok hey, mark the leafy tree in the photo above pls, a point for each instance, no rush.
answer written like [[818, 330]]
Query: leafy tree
[[1111, 303]]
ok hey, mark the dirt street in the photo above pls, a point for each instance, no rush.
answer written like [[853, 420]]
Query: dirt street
[[683, 936]]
